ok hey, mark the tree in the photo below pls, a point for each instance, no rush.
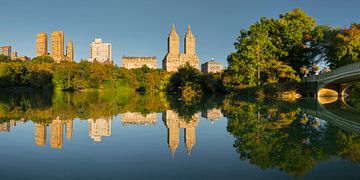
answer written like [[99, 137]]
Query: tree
[[291, 39], [186, 81], [344, 46]]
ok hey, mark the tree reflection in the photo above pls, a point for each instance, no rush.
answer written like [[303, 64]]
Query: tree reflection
[[271, 135]]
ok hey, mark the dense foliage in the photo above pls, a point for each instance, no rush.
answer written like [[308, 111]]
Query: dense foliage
[[42, 72], [280, 50], [190, 82]]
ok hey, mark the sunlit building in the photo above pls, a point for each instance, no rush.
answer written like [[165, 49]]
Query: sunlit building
[[57, 46], [211, 67], [5, 50], [174, 59], [130, 62], [41, 44], [70, 51], [100, 51]]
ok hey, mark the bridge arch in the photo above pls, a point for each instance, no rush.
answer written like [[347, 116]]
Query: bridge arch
[[336, 82]]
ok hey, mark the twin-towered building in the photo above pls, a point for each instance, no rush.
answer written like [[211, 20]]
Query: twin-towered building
[[174, 59], [57, 46]]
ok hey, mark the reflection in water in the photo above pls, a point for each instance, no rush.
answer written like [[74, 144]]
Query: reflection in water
[[99, 128], [212, 114], [173, 123], [289, 137], [56, 132], [138, 118]]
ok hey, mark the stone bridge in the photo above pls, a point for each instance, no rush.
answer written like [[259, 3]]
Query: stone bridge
[[335, 82]]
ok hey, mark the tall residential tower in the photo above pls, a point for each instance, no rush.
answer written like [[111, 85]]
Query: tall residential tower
[[57, 46], [41, 44], [70, 51], [100, 51]]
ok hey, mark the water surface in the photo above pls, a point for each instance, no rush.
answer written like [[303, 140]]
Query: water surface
[[150, 136]]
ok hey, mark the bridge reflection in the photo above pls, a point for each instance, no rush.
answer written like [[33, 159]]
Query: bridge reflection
[[337, 112]]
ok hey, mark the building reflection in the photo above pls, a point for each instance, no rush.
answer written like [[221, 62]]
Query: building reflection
[[6, 126], [174, 122], [56, 132], [138, 118], [212, 114], [99, 128]]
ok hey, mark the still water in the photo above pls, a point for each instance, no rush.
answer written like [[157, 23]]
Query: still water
[[104, 135]]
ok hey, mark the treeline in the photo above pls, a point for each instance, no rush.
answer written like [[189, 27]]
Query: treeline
[[287, 48], [42, 72]]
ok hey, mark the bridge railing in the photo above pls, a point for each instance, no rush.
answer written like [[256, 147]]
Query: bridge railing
[[338, 71]]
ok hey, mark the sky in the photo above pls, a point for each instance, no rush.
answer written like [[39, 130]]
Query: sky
[[141, 27]]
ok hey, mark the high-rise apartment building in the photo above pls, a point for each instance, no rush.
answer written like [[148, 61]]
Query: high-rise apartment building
[[100, 51], [174, 59], [41, 44], [70, 51], [57, 46]]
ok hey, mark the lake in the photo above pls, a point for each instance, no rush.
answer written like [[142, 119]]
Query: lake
[[108, 135]]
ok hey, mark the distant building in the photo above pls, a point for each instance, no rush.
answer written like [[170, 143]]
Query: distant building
[[41, 44], [13, 55], [23, 58], [211, 67], [5, 50], [100, 51], [137, 62], [57, 46], [70, 51], [174, 59]]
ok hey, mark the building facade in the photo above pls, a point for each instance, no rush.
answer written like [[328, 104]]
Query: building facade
[[138, 62], [41, 44], [100, 51], [211, 67], [70, 51], [57, 46], [174, 59], [5, 50]]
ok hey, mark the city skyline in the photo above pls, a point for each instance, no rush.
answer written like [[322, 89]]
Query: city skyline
[[216, 25]]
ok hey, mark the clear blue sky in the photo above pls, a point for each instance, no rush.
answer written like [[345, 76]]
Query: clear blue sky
[[141, 27]]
